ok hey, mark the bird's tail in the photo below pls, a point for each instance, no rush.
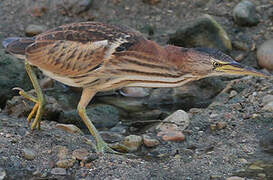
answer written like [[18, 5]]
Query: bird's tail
[[17, 46]]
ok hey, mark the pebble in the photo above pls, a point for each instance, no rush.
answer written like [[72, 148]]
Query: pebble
[[232, 94], [80, 154], [33, 30], [218, 126], [265, 55], [135, 92], [132, 142], [235, 178], [29, 154], [111, 137], [180, 118], [244, 14], [171, 135], [3, 174], [65, 163], [58, 171], [70, 128], [150, 142]]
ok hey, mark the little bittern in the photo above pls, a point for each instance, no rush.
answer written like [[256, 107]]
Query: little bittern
[[101, 57]]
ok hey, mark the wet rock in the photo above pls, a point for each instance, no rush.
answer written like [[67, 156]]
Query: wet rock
[[150, 142], [58, 171], [195, 94], [33, 30], [74, 7], [203, 32], [3, 174], [152, 2], [70, 128], [180, 118], [80, 154], [103, 117], [135, 91], [131, 143], [29, 154], [245, 14], [171, 135], [265, 55], [12, 74]]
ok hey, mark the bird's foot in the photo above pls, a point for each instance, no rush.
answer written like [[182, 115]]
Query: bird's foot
[[103, 147], [37, 108]]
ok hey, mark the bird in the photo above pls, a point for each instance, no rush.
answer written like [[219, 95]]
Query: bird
[[97, 57]]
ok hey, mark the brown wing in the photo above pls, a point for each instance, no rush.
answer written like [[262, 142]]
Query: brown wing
[[78, 48]]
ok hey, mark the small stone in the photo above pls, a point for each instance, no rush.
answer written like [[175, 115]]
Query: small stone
[[255, 167], [37, 173], [70, 128], [151, 2], [215, 177], [150, 142], [233, 93], [265, 55], [129, 144], [221, 125], [245, 14], [80, 154], [180, 118], [171, 135], [135, 92], [267, 98], [29, 154], [262, 175], [33, 30], [58, 171], [243, 161], [167, 127], [235, 178], [268, 107], [111, 137], [213, 127], [3, 174], [65, 163]]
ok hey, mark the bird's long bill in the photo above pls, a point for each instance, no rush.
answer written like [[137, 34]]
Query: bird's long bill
[[238, 69]]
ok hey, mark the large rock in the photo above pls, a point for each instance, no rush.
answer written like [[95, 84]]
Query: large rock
[[12, 74], [103, 117], [202, 32], [244, 14]]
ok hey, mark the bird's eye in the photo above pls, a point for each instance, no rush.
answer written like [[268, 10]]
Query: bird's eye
[[216, 64]]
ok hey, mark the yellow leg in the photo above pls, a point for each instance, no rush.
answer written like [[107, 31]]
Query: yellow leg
[[86, 97], [39, 101]]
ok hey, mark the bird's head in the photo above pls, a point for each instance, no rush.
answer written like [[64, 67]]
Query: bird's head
[[205, 62]]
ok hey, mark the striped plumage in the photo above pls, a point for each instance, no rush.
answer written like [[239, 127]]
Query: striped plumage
[[100, 57]]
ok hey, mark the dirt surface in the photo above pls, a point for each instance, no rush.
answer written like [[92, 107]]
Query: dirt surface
[[207, 153]]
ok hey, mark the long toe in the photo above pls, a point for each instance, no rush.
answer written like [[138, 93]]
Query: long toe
[[103, 147]]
